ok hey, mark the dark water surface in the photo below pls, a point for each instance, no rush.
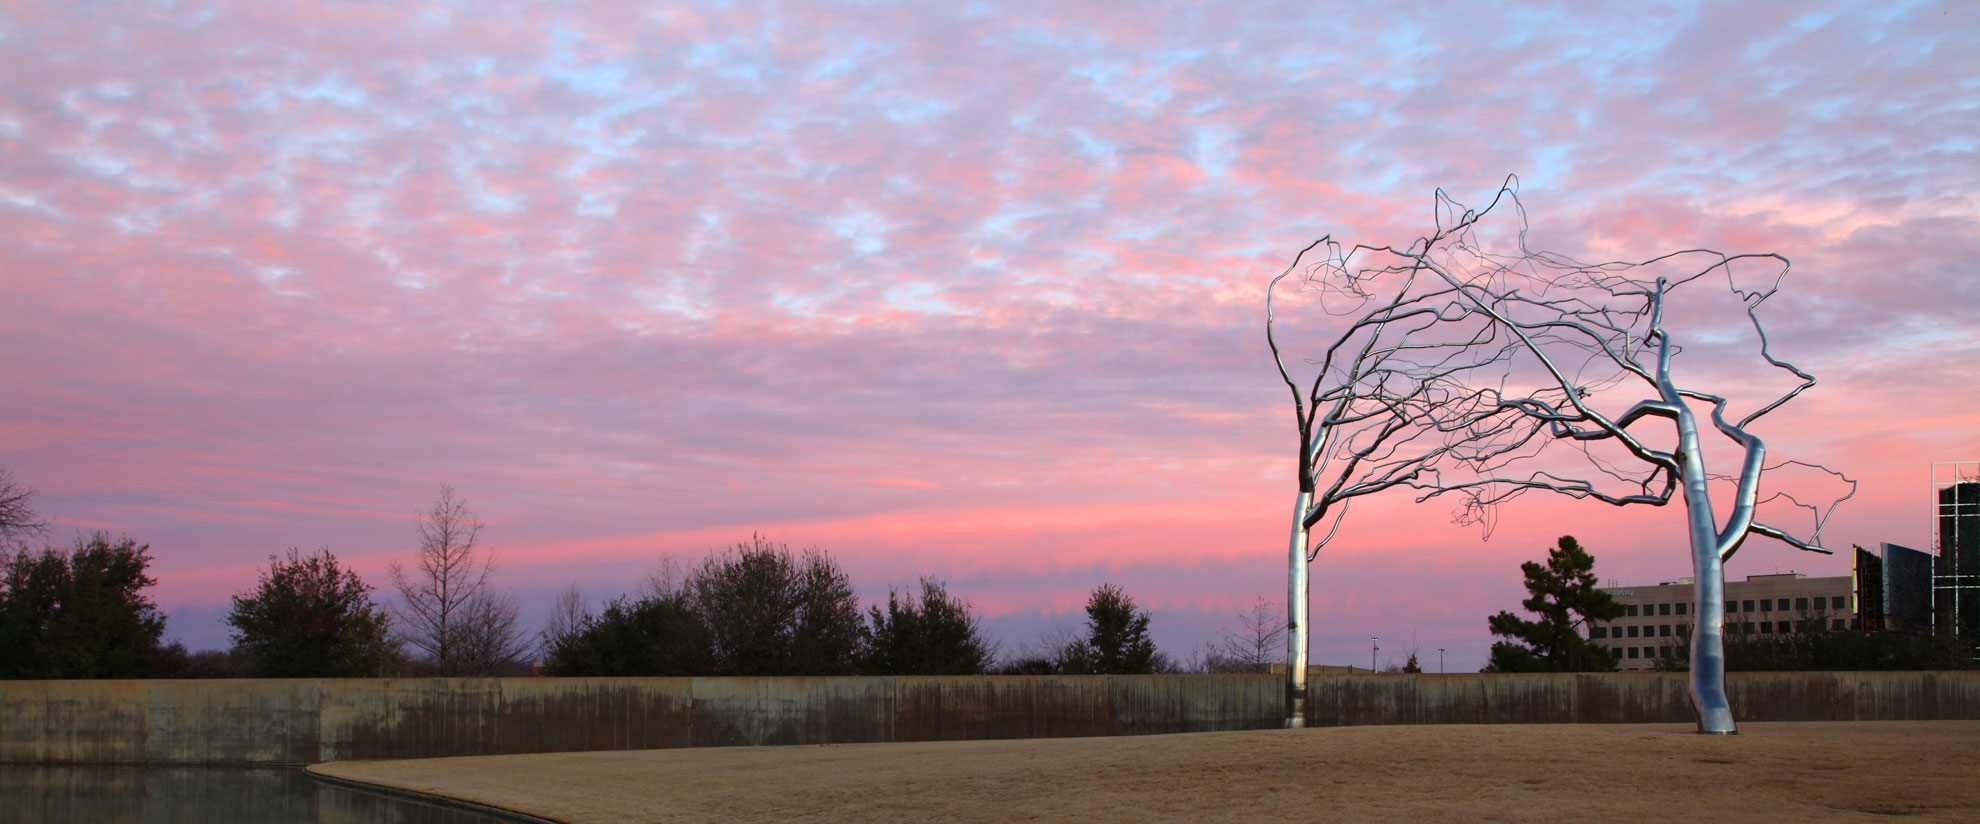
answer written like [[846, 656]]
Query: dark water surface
[[170, 795]]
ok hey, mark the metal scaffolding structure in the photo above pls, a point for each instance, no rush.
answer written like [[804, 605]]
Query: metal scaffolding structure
[[1956, 547]]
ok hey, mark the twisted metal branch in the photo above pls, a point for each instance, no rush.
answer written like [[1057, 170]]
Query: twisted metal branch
[[1501, 353]]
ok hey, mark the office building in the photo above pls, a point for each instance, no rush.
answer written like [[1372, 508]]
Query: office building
[[1956, 565], [1894, 590], [1660, 616]]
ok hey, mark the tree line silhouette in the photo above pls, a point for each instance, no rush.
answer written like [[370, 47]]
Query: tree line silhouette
[[753, 609]]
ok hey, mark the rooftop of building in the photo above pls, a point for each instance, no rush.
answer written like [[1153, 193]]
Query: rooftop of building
[[1790, 575]]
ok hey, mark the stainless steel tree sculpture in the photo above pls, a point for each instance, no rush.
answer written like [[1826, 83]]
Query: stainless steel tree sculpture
[[1588, 342], [1380, 405]]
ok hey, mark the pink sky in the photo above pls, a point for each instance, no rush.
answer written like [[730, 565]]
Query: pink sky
[[964, 291]]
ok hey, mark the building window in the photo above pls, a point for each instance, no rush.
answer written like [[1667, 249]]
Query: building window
[[1664, 630], [1836, 625], [1630, 611], [1836, 602], [1598, 632], [1681, 607], [1766, 605], [1767, 626], [1801, 604], [1632, 652], [1632, 632], [1748, 606], [1663, 609]]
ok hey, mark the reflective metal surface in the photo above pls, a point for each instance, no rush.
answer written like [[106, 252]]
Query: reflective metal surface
[[1296, 615], [1572, 319], [1371, 406], [1496, 351], [167, 795]]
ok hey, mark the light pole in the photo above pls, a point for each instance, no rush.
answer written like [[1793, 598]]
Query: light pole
[[1440, 660], [1373, 648]]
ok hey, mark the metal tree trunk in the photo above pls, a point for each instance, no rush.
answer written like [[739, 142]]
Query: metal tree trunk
[[1708, 570], [1296, 614]]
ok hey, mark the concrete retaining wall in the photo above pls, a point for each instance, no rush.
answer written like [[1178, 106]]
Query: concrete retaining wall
[[310, 720], [1636, 698]]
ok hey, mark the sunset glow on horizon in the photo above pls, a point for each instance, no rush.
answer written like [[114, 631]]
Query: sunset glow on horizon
[[961, 290]]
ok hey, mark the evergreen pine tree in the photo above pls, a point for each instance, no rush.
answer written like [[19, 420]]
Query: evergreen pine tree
[[1564, 596], [933, 634], [1116, 641]]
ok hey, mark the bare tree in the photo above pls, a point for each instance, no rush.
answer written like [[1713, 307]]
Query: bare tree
[[494, 641], [567, 616], [1041, 656], [17, 516], [1577, 349], [1375, 406], [1254, 646], [448, 610], [667, 578]]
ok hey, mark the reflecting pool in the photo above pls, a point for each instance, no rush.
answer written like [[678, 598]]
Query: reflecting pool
[[168, 795]]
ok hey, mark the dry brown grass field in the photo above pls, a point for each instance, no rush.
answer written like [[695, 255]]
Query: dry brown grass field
[[1853, 771]]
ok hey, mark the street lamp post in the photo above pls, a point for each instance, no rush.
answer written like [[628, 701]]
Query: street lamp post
[[1440, 660], [1373, 648]]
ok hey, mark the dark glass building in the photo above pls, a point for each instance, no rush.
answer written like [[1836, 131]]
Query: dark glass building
[[1956, 570]]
